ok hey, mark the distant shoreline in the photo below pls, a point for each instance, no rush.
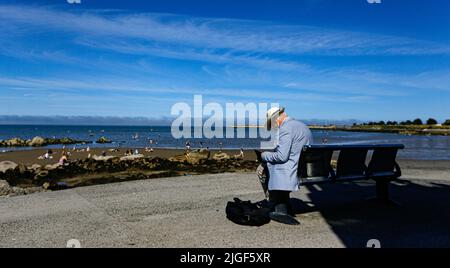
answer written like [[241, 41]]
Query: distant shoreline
[[404, 130], [420, 130]]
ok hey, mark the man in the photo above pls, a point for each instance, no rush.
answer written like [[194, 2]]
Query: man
[[282, 163]]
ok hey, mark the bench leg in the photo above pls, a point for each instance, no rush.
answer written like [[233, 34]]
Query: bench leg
[[382, 187], [382, 191]]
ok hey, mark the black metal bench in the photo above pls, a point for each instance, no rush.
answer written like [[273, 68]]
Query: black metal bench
[[315, 165]]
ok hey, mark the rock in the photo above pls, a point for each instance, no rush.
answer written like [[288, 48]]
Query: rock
[[221, 156], [52, 167], [178, 158], [32, 190], [67, 141], [52, 177], [46, 185], [55, 186], [16, 191], [103, 140], [21, 169], [195, 157], [103, 158], [16, 142], [37, 142], [131, 157], [35, 167], [5, 165], [5, 189], [42, 175]]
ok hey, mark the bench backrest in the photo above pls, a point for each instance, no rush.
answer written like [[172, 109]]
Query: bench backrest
[[315, 161], [315, 164], [383, 162], [351, 162]]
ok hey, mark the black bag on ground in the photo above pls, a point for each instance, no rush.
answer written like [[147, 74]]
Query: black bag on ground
[[247, 213]]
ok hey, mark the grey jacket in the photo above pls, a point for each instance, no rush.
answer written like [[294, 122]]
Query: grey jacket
[[283, 162]]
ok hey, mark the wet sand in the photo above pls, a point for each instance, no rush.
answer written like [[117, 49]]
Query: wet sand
[[30, 157]]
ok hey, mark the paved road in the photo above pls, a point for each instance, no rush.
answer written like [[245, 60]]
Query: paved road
[[189, 212]]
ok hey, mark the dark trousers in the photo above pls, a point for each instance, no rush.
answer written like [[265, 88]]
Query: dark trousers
[[279, 197]]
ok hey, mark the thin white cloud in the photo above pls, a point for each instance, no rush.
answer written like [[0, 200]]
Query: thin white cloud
[[206, 33], [251, 58], [129, 89], [374, 83], [204, 55]]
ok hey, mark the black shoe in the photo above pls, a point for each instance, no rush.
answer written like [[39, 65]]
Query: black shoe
[[290, 210], [283, 218], [280, 214]]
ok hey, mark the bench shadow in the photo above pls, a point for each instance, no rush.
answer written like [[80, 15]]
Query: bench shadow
[[421, 220]]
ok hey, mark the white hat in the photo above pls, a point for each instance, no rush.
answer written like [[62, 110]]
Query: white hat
[[272, 114]]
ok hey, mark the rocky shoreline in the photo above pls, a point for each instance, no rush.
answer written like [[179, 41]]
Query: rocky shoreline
[[40, 142], [20, 179]]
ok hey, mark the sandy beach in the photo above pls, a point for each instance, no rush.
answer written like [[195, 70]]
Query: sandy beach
[[24, 172], [27, 172], [30, 157]]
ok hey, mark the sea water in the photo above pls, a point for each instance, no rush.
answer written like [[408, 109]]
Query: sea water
[[417, 147]]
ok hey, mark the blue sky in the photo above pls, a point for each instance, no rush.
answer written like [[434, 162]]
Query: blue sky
[[321, 59]]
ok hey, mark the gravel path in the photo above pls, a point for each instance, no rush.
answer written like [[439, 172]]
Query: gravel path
[[189, 212]]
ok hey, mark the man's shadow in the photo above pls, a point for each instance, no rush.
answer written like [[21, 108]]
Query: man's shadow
[[422, 219]]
